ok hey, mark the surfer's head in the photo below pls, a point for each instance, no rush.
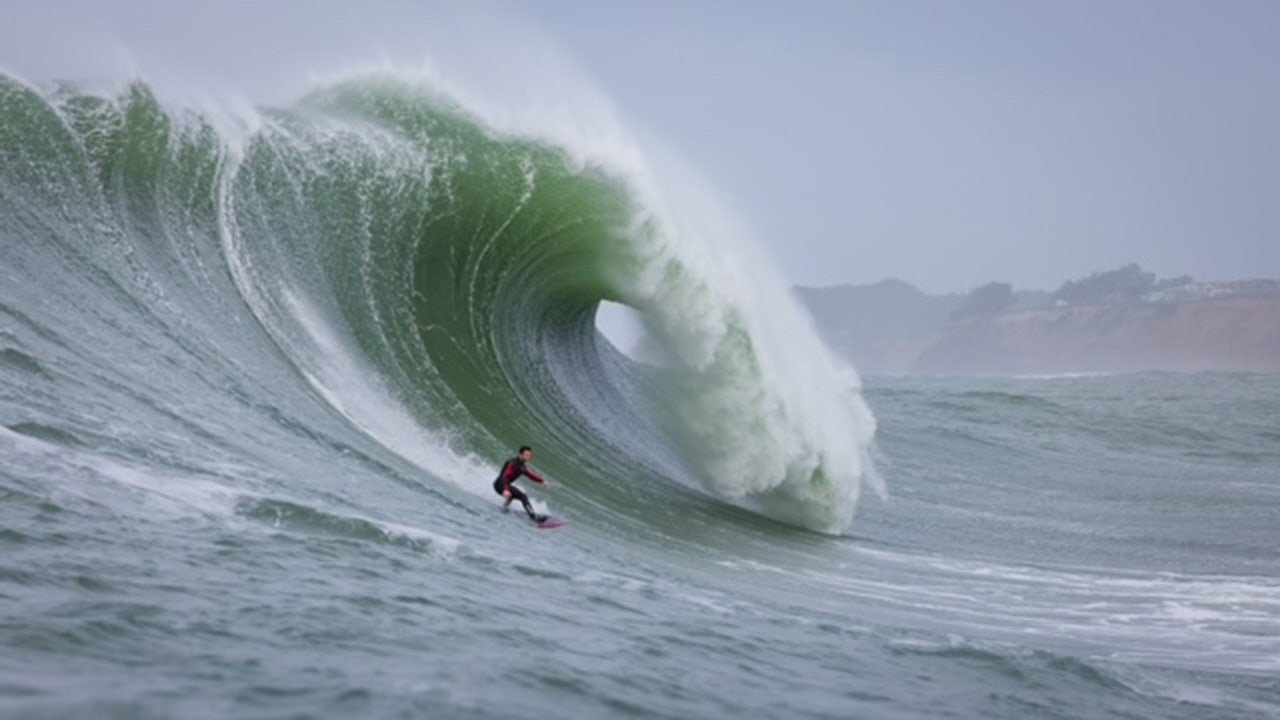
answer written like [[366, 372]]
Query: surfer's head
[[526, 453]]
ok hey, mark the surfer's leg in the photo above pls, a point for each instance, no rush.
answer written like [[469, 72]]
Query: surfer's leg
[[524, 500], [497, 487]]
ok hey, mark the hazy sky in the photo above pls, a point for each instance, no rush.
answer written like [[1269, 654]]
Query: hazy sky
[[945, 143], [953, 143]]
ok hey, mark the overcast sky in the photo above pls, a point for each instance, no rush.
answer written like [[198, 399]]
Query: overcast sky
[[945, 143]]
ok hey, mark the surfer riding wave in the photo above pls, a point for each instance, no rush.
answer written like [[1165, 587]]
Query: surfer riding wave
[[511, 471]]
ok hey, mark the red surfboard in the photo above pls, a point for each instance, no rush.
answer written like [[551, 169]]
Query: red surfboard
[[552, 522]]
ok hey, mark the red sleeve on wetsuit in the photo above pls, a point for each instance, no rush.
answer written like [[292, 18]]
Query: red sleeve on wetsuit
[[534, 477]]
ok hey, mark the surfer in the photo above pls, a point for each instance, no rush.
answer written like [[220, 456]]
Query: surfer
[[504, 485]]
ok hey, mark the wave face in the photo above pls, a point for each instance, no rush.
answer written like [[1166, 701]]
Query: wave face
[[420, 269]]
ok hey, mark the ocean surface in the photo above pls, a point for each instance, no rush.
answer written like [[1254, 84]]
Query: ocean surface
[[257, 375]]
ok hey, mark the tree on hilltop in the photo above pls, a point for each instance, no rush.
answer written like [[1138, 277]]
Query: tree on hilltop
[[1126, 284], [990, 299]]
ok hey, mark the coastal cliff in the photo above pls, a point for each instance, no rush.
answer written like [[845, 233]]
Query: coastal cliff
[[1121, 321]]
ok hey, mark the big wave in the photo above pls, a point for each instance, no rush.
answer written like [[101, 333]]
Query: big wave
[[394, 243]]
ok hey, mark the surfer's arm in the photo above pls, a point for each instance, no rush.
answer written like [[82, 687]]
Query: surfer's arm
[[535, 477]]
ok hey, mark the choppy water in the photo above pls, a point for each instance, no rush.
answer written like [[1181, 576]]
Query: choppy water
[[253, 391]]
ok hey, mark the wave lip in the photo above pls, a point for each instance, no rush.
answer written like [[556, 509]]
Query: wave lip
[[773, 420]]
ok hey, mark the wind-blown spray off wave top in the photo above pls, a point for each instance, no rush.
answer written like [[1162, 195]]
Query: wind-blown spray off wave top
[[399, 252]]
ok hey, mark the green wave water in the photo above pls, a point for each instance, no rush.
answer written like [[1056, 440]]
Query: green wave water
[[464, 270]]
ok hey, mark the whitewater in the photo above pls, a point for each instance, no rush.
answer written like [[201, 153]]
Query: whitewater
[[257, 375]]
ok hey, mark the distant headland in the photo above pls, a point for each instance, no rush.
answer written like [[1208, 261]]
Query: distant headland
[[1123, 320]]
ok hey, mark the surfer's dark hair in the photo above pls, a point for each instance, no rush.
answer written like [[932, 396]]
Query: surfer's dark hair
[[523, 448]]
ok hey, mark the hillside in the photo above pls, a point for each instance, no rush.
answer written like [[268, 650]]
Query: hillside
[[1119, 321]]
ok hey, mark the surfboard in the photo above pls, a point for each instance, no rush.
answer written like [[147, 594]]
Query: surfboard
[[551, 523]]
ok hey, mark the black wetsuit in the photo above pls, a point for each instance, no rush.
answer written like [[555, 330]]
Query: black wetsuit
[[511, 471]]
